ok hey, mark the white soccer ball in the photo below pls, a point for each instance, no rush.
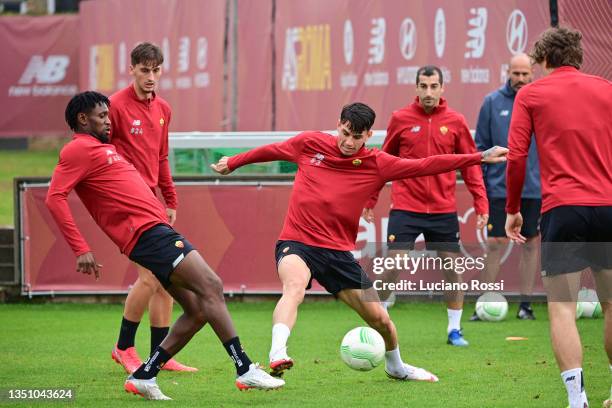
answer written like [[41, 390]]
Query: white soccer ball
[[589, 304], [362, 348], [492, 307]]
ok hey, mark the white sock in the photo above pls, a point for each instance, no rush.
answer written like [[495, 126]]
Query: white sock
[[454, 319], [574, 384], [393, 361], [278, 349]]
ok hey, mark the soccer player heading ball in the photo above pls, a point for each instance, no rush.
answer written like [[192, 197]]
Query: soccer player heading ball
[[336, 176], [124, 206]]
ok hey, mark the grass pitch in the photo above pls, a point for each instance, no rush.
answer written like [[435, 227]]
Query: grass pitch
[[68, 346]]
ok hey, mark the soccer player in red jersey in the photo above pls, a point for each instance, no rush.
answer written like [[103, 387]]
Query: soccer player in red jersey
[[126, 209], [569, 112], [427, 205], [140, 121], [336, 176]]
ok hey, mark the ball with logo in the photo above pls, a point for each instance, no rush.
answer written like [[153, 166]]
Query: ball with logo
[[492, 307], [588, 305], [362, 349]]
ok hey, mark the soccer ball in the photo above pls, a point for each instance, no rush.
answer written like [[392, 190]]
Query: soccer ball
[[362, 348], [492, 307], [588, 303]]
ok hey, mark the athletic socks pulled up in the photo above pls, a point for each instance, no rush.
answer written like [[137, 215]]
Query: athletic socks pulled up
[[158, 334], [154, 363], [280, 335], [454, 319], [574, 384], [235, 351], [127, 334]]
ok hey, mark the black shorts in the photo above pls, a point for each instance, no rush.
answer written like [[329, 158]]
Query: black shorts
[[576, 237], [530, 210], [334, 270], [441, 231], [160, 249]]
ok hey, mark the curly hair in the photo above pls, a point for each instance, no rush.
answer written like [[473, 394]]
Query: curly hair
[[84, 102], [559, 46]]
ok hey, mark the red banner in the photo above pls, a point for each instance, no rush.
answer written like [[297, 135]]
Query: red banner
[[39, 65], [237, 240], [191, 35], [250, 50], [592, 18], [332, 53]]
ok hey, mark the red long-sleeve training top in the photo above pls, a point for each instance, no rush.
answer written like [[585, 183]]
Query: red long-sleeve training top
[[412, 133], [569, 112], [111, 189], [330, 189], [139, 129]]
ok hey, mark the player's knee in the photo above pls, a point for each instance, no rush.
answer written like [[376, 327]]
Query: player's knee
[[295, 290], [149, 282]]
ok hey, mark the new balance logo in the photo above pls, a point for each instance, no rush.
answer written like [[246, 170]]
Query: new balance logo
[[572, 378], [136, 122], [415, 129], [505, 112], [51, 71]]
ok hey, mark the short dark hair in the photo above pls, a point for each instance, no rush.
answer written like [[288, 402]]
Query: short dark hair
[[429, 70], [83, 102], [359, 117], [559, 46], [147, 54]]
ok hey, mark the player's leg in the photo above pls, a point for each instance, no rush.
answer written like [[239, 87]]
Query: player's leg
[[160, 315], [528, 265], [182, 270], [562, 292], [377, 317], [295, 276], [530, 251], [441, 233], [603, 279], [565, 231], [403, 229], [601, 253], [136, 303]]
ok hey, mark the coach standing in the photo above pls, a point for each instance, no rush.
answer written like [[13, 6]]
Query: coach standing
[[569, 112], [492, 129]]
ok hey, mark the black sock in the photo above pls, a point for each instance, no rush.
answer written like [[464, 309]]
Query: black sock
[[127, 334], [154, 363], [158, 334], [525, 305], [235, 351]]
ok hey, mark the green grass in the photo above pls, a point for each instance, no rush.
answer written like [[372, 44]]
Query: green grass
[[21, 164], [69, 346]]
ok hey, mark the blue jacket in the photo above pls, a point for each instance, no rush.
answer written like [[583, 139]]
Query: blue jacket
[[492, 129]]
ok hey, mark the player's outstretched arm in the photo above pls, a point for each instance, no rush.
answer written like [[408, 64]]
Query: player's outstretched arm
[[394, 168]]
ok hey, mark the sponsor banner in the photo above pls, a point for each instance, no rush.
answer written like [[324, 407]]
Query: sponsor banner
[[333, 53], [39, 65], [250, 48], [237, 240], [191, 37], [590, 18]]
